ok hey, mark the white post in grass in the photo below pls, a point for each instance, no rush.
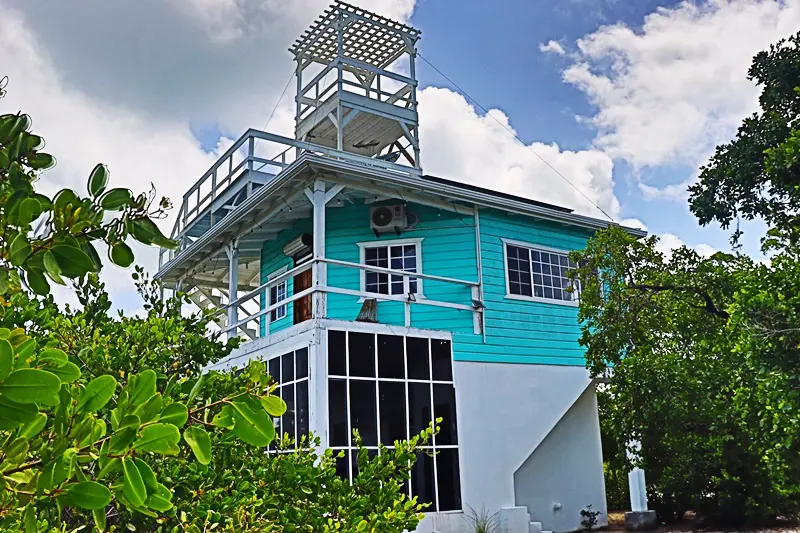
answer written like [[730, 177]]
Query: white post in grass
[[636, 484]]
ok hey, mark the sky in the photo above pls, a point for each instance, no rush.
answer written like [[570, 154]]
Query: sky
[[625, 98]]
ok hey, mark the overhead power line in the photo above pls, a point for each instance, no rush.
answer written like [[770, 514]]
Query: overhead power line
[[513, 134]]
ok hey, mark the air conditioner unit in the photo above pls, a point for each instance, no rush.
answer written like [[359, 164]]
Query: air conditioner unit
[[388, 218]]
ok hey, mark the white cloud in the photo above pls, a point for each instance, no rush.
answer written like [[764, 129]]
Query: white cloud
[[667, 242], [460, 144], [552, 47], [672, 90]]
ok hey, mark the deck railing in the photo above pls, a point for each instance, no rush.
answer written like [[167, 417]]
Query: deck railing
[[252, 160], [472, 304]]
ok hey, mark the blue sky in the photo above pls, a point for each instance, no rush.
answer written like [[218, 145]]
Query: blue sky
[[626, 98]]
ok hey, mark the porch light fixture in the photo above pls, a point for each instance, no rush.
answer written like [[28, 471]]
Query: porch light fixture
[[477, 304]]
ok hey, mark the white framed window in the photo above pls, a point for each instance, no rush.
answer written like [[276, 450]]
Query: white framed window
[[290, 372], [390, 388], [397, 254], [278, 293], [539, 273]]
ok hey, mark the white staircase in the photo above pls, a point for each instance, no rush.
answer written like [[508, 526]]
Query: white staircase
[[208, 301]]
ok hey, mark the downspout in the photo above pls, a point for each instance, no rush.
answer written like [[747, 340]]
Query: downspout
[[477, 216]]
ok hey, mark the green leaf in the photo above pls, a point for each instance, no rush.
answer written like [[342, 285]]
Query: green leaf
[[122, 439], [160, 499], [29, 210], [150, 410], [16, 450], [115, 199], [133, 485], [41, 161], [72, 261], [96, 394], [253, 427], [30, 519], [37, 282], [52, 268], [121, 254], [99, 516], [159, 438], [86, 495], [6, 359], [224, 419], [148, 476], [142, 387], [54, 356], [67, 373], [199, 441], [98, 180], [198, 385], [175, 413], [34, 427], [19, 250], [29, 385], [17, 412], [274, 405], [57, 471]]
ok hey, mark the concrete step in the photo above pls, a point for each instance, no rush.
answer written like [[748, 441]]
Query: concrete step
[[535, 527]]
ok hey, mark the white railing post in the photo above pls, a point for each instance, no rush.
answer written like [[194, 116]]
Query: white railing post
[[251, 148], [407, 305], [232, 251]]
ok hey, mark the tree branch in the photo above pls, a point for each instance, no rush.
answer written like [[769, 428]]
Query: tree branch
[[709, 306]]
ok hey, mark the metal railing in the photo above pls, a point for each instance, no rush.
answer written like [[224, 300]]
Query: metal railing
[[404, 298]]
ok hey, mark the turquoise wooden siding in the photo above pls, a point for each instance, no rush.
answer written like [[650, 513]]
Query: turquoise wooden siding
[[448, 249], [516, 331], [520, 331]]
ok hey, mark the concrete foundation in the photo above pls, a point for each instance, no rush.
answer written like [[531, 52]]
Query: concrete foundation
[[641, 520]]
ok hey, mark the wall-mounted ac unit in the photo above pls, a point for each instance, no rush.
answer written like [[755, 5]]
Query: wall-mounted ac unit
[[388, 218]]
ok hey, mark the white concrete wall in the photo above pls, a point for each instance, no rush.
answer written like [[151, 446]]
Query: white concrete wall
[[565, 473], [504, 412]]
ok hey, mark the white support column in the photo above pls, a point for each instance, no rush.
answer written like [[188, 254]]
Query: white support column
[[636, 484], [320, 270], [232, 251]]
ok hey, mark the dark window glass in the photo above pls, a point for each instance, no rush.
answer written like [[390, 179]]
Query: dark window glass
[[337, 362], [274, 369], [442, 365], [301, 363], [418, 358], [287, 367], [394, 257], [390, 357], [363, 412], [419, 407], [302, 409], [362, 354], [343, 465], [288, 416], [444, 407], [337, 412], [519, 263], [393, 411], [422, 480], [449, 484]]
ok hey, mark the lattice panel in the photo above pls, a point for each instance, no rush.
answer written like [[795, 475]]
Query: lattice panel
[[369, 38]]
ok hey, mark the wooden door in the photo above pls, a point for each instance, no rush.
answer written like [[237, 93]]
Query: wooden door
[[302, 307]]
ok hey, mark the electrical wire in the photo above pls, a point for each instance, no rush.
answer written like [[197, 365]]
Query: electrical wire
[[274, 109], [513, 134]]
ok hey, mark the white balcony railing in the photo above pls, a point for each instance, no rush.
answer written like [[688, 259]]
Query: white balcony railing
[[471, 304]]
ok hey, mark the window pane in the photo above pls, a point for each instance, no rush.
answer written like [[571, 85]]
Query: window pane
[[287, 367], [302, 409], [287, 420], [274, 369], [419, 407], [444, 407], [447, 475], [422, 480], [337, 412], [393, 411], [363, 412], [418, 361], [390, 357], [343, 466], [362, 354], [337, 364], [301, 360], [518, 264], [442, 366]]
